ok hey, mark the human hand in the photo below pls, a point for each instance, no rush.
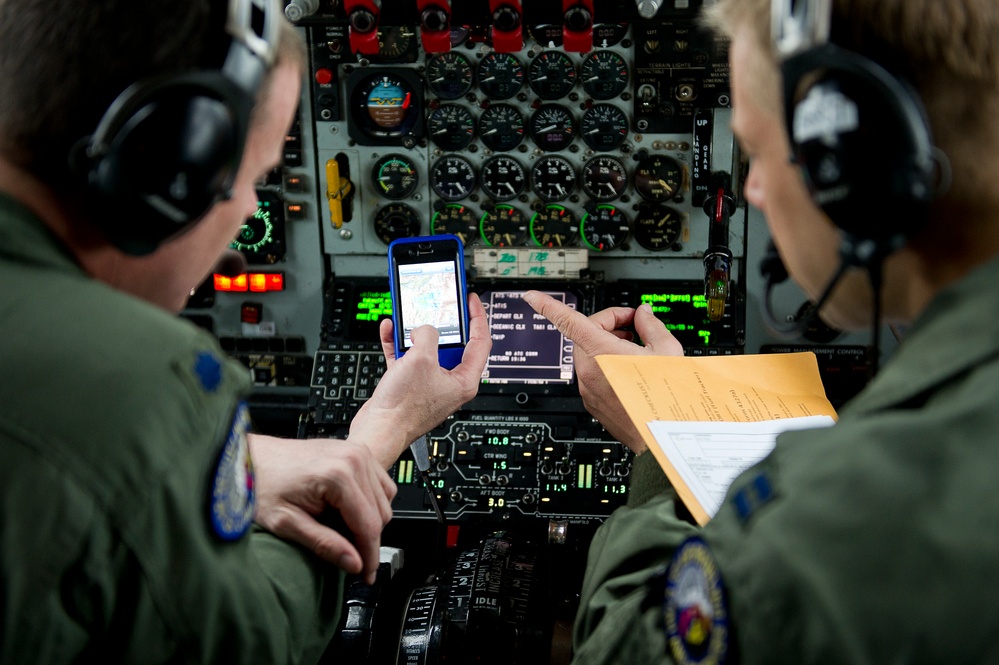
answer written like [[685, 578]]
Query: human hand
[[298, 480], [599, 334], [416, 394]]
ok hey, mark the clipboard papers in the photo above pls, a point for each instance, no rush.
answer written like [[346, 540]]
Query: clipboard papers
[[706, 418]]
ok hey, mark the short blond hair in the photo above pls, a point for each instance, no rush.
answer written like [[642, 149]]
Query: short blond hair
[[949, 50]]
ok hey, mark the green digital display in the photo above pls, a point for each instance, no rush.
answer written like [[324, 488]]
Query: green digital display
[[685, 314], [373, 306]]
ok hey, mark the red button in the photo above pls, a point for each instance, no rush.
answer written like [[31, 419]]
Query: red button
[[324, 76]]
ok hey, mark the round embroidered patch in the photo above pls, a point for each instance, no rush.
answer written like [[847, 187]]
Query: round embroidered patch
[[232, 496], [694, 606], [208, 370]]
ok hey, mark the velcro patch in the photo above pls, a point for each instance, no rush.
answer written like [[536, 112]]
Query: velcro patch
[[694, 607], [233, 500]]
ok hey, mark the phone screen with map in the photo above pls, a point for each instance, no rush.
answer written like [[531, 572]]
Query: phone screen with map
[[427, 278]]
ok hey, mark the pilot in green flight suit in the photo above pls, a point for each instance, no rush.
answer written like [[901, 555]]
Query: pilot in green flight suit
[[874, 540], [140, 520]]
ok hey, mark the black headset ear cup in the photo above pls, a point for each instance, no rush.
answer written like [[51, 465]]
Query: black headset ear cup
[[862, 140], [164, 153]]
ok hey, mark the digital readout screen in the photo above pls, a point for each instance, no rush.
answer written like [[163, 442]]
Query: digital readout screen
[[527, 348]]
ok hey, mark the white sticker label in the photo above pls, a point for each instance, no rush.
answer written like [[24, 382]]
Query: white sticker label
[[823, 115]]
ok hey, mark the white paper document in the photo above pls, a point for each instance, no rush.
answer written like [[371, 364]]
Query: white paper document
[[709, 455]]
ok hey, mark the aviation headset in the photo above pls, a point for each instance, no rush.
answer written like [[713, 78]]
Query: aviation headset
[[168, 148], [859, 134]]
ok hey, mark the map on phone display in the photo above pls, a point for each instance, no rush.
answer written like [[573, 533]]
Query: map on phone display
[[428, 293]]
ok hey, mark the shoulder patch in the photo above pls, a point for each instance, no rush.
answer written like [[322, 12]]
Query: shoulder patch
[[695, 608], [233, 500], [208, 369]]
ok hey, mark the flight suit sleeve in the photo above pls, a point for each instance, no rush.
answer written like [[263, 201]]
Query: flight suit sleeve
[[620, 619]]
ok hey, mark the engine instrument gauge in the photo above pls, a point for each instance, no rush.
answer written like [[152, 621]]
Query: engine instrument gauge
[[604, 75], [451, 127], [604, 127], [502, 178], [452, 177], [449, 75], [397, 220], [554, 226], [658, 177], [503, 226], [501, 76], [553, 178], [501, 127], [551, 75], [456, 219], [394, 41], [395, 177], [552, 127], [604, 228], [657, 227], [604, 178]]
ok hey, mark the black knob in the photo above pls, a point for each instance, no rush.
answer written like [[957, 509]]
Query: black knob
[[506, 18], [362, 20], [434, 19], [578, 18]]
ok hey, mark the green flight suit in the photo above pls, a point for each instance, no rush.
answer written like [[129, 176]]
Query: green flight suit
[[113, 418], [872, 541]]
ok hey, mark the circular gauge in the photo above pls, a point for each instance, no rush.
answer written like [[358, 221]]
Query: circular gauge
[[395, 177], [553, 178], [396, 221], [501, 127], [658, 177], [551, 75], [604, 178], [394, 41], [456, 219], [261, 239], [657, 227], [451, 127], [604, 75], [449, 75], [452, 177], [603, 228], [552, 127], [388, 98], [554, 226], [501, 76], [604, 127], [503, 226], [502, 178]]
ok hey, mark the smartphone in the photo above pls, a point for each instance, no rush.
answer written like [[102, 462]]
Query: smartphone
[[427, 282]]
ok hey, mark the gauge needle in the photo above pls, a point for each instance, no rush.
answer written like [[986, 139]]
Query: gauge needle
[[510, 187], [491, 131], [549, 128], [665, 185], [487, 80], [609, 186]]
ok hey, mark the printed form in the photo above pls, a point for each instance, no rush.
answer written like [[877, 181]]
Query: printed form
[[726, 412]]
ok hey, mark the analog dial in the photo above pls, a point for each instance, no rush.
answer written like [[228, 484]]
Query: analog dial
[[452, 177], [503, 226], [604, 75], [554, 226], [604, 127], [551, 75], [396, 221], [657, 227], [451, 127], [502, 178], [553, 178], [501, 127], [604, 178], [552, 127], [658, 177], [501, 76], [456, 219], [449, 75], [604, 228], [395, 177]]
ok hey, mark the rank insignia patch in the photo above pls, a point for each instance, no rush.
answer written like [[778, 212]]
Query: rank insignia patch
[[233, 500], [694, 607]]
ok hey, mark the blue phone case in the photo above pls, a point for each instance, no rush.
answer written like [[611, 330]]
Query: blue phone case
[[449, 355]]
